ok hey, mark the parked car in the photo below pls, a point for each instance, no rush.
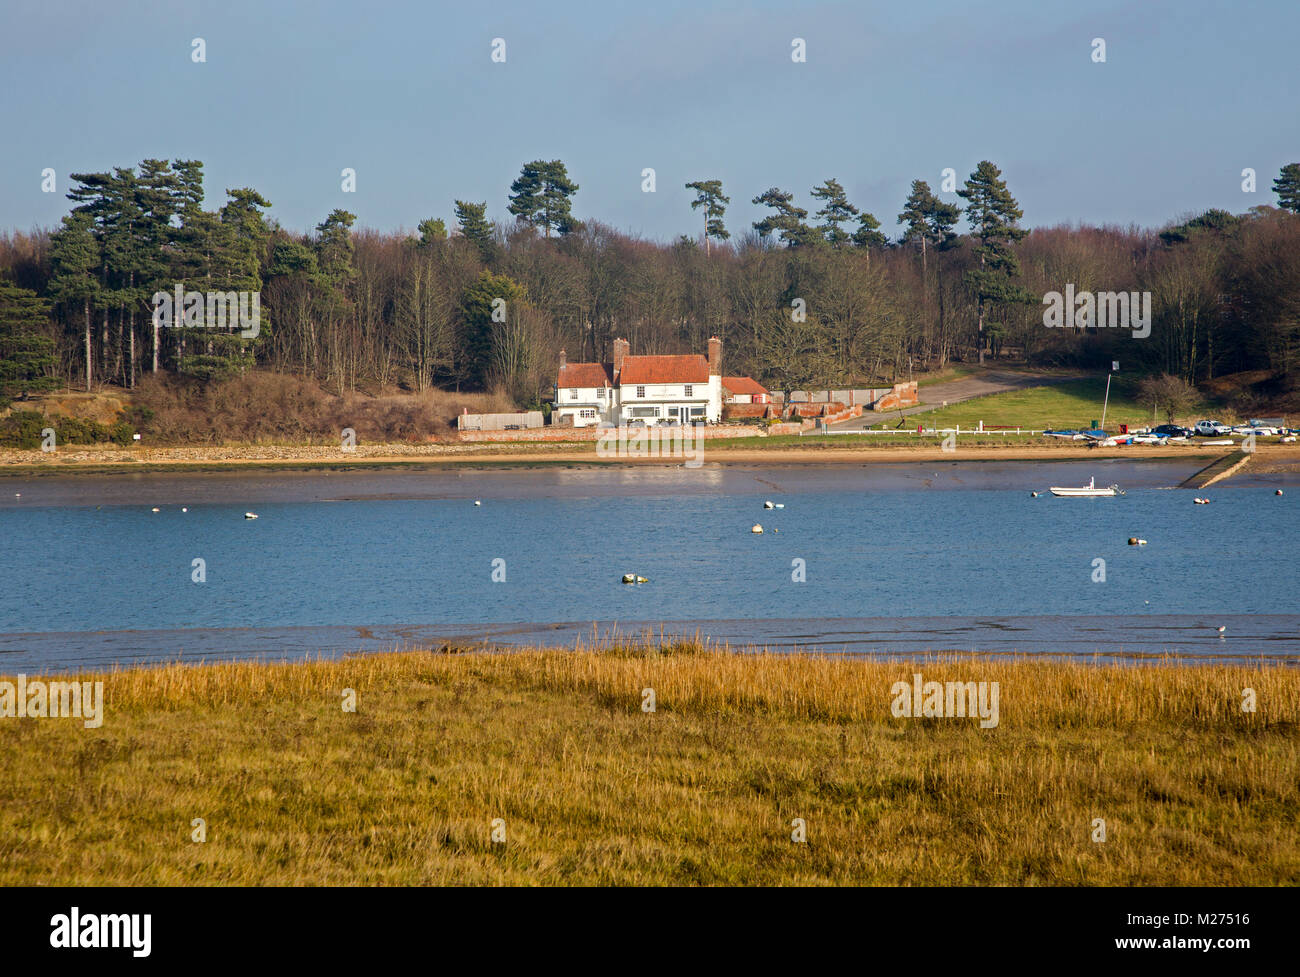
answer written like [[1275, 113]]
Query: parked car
[[1173, 431], [1212, 429]]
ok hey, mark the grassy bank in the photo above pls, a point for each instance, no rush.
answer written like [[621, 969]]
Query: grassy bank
[[592, 789], [1072, 404]]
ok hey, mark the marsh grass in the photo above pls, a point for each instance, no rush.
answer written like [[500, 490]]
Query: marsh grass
[[593, 790]]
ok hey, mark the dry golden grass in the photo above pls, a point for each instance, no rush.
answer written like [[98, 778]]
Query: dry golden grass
[[593, 790]]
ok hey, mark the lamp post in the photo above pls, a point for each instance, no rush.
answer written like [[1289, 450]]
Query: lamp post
[[1114, 365]]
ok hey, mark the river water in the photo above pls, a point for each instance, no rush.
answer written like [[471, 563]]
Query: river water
[[897, 560]]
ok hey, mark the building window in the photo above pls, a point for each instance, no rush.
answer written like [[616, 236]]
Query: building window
[[600, 393], [573, 394], [640, 392], [587, 413], [697, 412], [690, 391], [645, 411]]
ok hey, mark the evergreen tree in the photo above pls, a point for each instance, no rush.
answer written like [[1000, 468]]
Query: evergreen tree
[[541, 197], [74, 261], [334, 247], [26, 352], [787, 219], [929, 220], [837, 211], [1287, 188], [157, 199], [432, 230], [709, 196], [475, 226], [476, 309], [868, 234], [248, 235], [992, 213], [1214, 221]]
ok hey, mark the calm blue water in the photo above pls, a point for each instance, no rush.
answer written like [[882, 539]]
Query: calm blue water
[[417, 568]]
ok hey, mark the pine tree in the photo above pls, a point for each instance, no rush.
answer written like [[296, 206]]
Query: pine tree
[[929, 220], [541, 197], [334, 247], [709, 196], [476, 314], [1287, 188], [475, 226], [837, 211], [156, 197], [26, 352], [787, 221], [992, 213], [74, 261], [868, 233], [432, 230]]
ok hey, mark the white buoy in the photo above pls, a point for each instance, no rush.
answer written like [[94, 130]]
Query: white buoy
[[477, 502], [1278, 492], [1033, 495], [156, 509], [769, 505], [757, 528], [250, 515], [184, 509], [1221, 629]]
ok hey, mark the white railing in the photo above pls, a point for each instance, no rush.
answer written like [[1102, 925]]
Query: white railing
[[928, 432]]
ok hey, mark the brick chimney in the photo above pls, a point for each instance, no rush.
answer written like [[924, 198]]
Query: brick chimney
[[621, 349], [715, 356], [562, 359]]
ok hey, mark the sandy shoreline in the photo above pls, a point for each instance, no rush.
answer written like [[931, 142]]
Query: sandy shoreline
[[1270, 458]]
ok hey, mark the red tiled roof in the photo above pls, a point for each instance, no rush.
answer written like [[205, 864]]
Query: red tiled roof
[[664, 369], [743, 385], [585, 375]]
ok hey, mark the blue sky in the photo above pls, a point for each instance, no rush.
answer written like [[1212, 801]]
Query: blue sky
[[1191, 93]]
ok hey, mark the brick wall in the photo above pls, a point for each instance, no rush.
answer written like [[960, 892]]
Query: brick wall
[[557, 434]]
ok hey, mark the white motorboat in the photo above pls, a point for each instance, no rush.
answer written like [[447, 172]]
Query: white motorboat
[[1089, 491]]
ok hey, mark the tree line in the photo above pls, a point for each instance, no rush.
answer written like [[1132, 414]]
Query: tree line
[[800, 301]]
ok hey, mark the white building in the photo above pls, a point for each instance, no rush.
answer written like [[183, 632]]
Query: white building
[[641, 389]]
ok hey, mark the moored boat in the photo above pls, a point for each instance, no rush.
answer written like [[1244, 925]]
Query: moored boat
[[1089, 491]]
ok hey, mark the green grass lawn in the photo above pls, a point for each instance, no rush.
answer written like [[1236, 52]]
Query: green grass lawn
[[1074, 404]]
